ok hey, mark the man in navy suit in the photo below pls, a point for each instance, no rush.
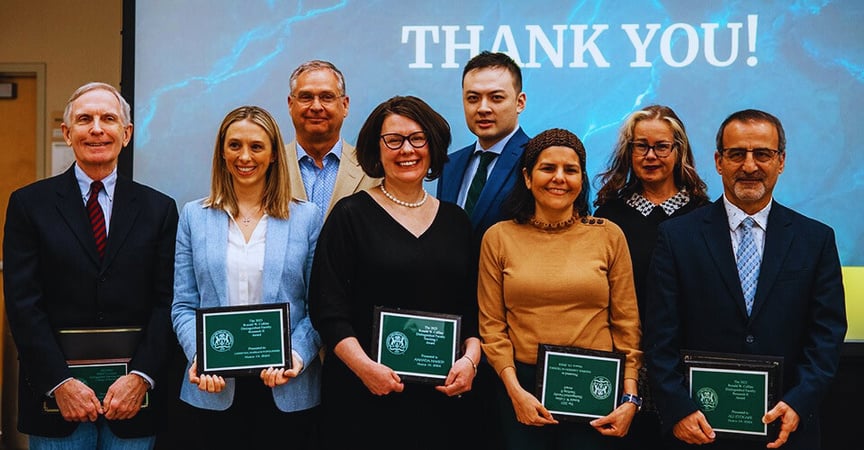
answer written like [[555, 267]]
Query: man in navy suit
[[698, 300], [492, 98], [58, 276]]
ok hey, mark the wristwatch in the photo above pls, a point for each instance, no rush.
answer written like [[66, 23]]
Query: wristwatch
[[634, 399]]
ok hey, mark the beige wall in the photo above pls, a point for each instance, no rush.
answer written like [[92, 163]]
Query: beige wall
[[77, 41]]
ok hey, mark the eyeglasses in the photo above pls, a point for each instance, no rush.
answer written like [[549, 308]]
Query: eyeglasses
[[395, 141], [661, 149], [738, 155], [326, 98]]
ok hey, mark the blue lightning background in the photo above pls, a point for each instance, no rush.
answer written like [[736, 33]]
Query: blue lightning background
[[196, 60]]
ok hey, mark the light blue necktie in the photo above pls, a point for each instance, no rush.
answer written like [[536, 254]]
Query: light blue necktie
[[748, 262]]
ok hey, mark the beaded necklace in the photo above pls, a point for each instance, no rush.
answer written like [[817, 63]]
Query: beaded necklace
[[553, 226], [402, 202]]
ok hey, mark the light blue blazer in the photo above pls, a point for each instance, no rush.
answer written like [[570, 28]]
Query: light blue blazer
[[200, 281]]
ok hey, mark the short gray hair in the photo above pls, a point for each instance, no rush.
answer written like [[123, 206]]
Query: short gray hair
[[125, 109], [313, 65]]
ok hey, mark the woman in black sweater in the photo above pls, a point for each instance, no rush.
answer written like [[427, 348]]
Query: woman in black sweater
[[651, 177]]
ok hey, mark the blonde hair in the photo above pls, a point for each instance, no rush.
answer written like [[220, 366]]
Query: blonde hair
[[620, 181], [277, 188]]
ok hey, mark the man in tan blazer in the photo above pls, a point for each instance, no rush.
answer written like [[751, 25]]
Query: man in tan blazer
[[322, 166]]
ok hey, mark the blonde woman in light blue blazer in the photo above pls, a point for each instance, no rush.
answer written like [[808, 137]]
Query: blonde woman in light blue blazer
[[249, 242]]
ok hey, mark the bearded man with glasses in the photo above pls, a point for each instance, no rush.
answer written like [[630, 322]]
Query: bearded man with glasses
[[746, 276]]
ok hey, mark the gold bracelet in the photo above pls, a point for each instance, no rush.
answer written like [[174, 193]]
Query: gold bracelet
[[473, 364]]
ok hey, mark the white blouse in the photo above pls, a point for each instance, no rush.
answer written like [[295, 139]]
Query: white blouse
[[245, 264]]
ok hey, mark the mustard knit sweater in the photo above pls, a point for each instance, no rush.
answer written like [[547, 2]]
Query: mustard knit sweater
[[569, 287]]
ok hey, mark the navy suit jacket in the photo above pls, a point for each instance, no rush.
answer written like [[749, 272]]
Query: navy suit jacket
[[504, 175], [695, 302], [53, 279]]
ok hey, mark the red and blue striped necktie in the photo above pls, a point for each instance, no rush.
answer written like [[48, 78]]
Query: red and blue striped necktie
[[97, 218]]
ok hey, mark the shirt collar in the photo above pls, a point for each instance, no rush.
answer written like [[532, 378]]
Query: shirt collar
[[108, 183], [735, 215], [335, 151], [498, 147], [672, 204]]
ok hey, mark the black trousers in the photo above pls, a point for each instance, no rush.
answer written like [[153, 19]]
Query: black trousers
[[252, 421]]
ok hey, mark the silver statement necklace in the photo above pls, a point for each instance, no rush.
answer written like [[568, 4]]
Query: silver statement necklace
[[404, 203]]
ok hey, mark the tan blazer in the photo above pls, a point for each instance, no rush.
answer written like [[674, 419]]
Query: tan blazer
[[349, 179]]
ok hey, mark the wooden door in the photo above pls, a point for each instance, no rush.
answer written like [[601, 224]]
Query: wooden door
[[18, 156]]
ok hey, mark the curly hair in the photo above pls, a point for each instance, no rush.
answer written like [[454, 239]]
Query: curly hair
[[619, 180], [519, 204]]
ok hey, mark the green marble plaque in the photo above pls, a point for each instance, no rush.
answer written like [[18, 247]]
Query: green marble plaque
[[419, 346], [243, 340], [577, 384], [734, 391]]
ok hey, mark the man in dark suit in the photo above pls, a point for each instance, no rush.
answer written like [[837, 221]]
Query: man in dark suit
[[72, 264], [699, 299], [492, 98]]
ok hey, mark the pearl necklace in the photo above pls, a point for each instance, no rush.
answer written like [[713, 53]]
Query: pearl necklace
[[404, 203]]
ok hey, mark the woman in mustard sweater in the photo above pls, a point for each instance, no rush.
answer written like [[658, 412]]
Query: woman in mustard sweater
[[554, 275]]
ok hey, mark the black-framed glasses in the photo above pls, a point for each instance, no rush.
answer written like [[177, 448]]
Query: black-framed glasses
[[662, 149], [738, 155], [395, 141], [326, 98]]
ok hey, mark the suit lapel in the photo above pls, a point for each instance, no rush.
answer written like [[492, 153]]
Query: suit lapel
[[125, 209], [278, 232], [715, 232], [503, 169], [456, 168], [216, 246], [347, 177], [778, 241], [71, 207], [298, 190]]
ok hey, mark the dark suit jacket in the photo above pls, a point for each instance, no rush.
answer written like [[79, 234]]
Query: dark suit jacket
[[53, 279], [504, 174], [695, 302]]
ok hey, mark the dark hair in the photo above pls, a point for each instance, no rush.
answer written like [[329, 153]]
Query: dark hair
[[753, 115], [619, 180], [433, 124], [487, 59], [519, 204]]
